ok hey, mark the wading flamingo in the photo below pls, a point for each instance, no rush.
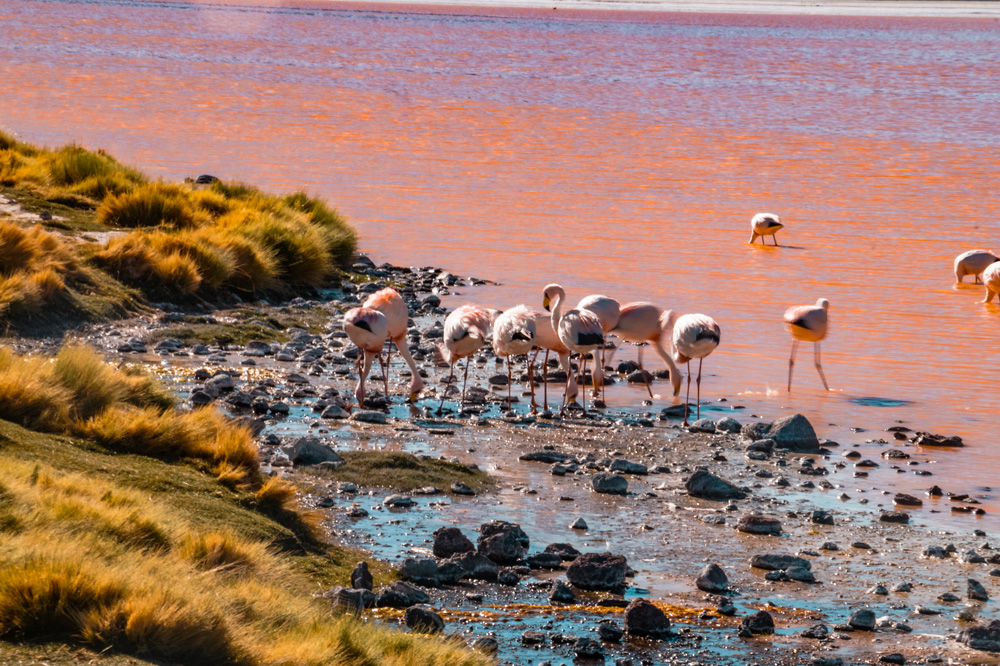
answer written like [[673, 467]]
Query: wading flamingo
[[391, 304], [991, 278], [764, 224], [607, 310], [973, 262], [368, 329], [546, 338], [809, 323], [513, 335], [695, 336], [644, 322], [465, 331], [579, 330]]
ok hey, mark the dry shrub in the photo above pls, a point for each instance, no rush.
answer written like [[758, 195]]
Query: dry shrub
[[18, 249], [129, 258], [48, 282], [341, 239], [178, 272], [29, 396], [18, 293], [276, 495], [212, 202], [236, 454], [213, 550], [147, 432], [92, 383], [144, 390], [151, 205], [215, 264], [298, 246]]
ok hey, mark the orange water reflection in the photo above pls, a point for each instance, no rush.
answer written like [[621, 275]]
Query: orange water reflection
[[616, 152]]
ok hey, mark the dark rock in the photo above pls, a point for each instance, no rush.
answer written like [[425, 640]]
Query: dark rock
[[361, 578], [563, 550], [423, 571], [760, 622], [644, 619], [703, 425], [628, 467], [984, 637], [310, 451], [401, 595], [460, 488], [892, 658], [544, 561], [705, 485], [532, 637], [502, 547], [562, 593], [546, 457], [598, 571], [755, 524], [423, 620], [497, 526], [712, 579], [610, 484], [791, 432], [816, 631], [508, 577], [896, 517], [903, 499], [588, 648], [728, 424], [471, 566], [776, 562], [820, 517], [398, 501], [450, 541], [485, 645], [353, 600], [800, 574], [928, 439], [862, 620], [609, 631], [976, 591]]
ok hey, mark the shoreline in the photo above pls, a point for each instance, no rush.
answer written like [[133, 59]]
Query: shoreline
[[657, 526]]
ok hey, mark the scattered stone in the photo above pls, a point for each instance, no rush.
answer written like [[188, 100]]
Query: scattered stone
[[776, 562], [485, 645], [728, 424], [760, 622], [588, 648], [609, 631], [984, 637], [398, 501], [578, 524], [562, 593], [703, 425], [361, 578], [352, 600], [450, 541], [705, 485], [422, 571], [401, 595], [628, 467], [820, 517], [610, 484], [598, 571], [712, 579], [818, 631], [565, 551], [423, 620], [862, 620], [756, 524], [369, 416], [895, 517], [902, 499], [892, 658], [792, 432], [927, 439], [976, 591], [310, 451], [879, 590], [644, 619], [544, 561]]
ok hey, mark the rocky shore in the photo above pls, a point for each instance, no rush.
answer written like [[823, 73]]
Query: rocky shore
[[618, 538]]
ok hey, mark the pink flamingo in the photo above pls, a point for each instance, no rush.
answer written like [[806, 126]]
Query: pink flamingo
[[465, 331], [391, 304], [809, 323], [991, 278], [764, 224], [547, 339], [513, 335], [695, 336], [367, 329], [973, 263], [644, 322], [579, 330], [607, 310]]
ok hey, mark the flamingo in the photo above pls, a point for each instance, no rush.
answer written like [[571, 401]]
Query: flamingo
[[547, 339], [367, 328], [807, 322], [465, 331], [973, 262], [579, 330], [514, 334], [764, 224], [991, 278], [391, 304], [644, 322], [695, 336], [607, 310]]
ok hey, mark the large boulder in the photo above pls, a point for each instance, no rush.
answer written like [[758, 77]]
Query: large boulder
[[497, 526], [985, 638], [791, 432], [422, 571], [778, 562], [705, 485], [610, 484], [598, 571], [712, 579], [644, 619], [469, 566], [450, 541], [502, 548], [310, 451], [352, 600], [750, 523], [401, 595], [423, 620]]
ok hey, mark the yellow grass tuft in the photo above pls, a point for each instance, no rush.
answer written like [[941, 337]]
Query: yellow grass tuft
[[151, 205], [179, 272], [29, 396]]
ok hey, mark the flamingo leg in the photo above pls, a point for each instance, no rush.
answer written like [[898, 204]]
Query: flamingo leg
[[465, 383], [416, 383], [510, 381], [531, 379], [687, 400], [583, 375], [451, 376], [819, 367], [989, 295], [545, 381], [791, 363], [385, 371], [700, 361], [644, 378], [675, 375]]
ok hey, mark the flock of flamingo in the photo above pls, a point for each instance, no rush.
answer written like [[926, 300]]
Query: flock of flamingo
[[584, 330]]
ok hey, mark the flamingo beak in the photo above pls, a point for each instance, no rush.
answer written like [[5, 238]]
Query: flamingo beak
[[545, 303], [414, 396]]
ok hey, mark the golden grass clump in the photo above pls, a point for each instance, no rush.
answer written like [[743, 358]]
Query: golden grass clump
[[29, 396], [179, 272], [341, 238], [33, 265], [214, 264], [151, 205], [299, 247]]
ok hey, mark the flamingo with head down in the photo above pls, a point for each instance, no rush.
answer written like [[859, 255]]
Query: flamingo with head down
[[695, 336], [391, 304], [368, 329], [579, 330], [465, 331], [645, 322], [809, 323], [764, 224], [513, 335]]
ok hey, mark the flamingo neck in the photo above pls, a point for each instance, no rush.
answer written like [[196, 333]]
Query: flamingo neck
[[556, 312]]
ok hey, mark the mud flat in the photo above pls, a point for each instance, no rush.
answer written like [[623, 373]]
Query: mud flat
[[817, 558]]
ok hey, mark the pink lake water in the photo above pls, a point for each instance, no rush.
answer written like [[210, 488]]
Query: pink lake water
[[614, 152]]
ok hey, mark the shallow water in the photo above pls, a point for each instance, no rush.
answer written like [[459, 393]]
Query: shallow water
[[614, 152]]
